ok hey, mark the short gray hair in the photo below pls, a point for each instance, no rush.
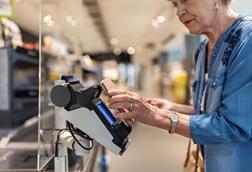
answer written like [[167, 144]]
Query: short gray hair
[[227, 2]]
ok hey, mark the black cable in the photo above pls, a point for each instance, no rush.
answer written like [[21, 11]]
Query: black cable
[[82, 134], [73, 145], [78, 132], [71, 129], [57, 142]]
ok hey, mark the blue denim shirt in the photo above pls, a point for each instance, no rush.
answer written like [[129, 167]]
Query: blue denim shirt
[[224, 128]]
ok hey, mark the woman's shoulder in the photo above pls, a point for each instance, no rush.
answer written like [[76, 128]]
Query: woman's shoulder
[[245, 18], [240, 30], [244, 24], [238, 41]]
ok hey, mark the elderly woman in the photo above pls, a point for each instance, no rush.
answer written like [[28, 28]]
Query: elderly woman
[[221, 117]]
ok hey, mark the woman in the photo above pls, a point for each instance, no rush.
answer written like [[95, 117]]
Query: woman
[[221, 117]]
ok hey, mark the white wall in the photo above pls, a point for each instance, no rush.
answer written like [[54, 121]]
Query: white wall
[[242, 7]]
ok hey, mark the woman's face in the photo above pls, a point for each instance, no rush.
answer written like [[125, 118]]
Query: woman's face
[[196, 15]]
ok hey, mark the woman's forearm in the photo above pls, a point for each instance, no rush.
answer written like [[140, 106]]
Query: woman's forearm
[[184, 109], [163, 121]]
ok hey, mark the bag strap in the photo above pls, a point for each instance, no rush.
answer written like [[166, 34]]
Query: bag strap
[[196, 165], [187, 154], [197, 158]]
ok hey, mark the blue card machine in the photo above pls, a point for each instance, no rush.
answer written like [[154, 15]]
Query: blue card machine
[[106, 113]]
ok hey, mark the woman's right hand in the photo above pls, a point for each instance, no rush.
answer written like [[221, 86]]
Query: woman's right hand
[[136, 106], [161, 103]]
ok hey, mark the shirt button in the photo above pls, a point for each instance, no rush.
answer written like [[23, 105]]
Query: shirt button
[[214, 84]]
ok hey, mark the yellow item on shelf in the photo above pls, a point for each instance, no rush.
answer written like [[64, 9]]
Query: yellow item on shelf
[[179, 78]]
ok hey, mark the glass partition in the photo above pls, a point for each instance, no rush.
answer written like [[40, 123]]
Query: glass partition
[[58, 56], [68, 37]]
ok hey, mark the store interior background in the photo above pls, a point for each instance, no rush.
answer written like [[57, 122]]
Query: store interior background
[[140, 45]]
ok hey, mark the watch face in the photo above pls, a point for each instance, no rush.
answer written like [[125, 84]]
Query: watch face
[[174, 117]]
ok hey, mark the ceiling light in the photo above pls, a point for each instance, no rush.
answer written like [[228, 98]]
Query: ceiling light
[[114, 41], [117, 51], [69, 19], [73, 23], [161, 19], [155, 23], [47, 18], [50, 23], [131, 51]]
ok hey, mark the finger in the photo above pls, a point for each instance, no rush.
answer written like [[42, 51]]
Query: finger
[[116, 92], [153, 103], [119, 105], [126, 116], [131, 121], [123, 110], [148, 99], [121, 91], [123, 98]]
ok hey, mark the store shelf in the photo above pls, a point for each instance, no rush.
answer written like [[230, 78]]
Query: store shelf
[[20, 57], [26, 100], [26, 93]]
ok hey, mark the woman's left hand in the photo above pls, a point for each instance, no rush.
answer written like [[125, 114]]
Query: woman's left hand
[[138, 108]]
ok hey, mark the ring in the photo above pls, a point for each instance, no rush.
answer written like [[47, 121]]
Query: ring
[[131, 106]]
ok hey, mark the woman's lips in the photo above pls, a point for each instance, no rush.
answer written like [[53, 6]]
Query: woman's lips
[[188, 22]]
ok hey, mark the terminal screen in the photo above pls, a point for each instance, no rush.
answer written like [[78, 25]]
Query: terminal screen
[[107, 114]]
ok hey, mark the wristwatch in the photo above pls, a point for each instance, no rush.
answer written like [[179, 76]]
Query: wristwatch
[[174, 121]]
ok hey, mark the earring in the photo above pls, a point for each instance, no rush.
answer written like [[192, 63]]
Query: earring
[[217, 7]]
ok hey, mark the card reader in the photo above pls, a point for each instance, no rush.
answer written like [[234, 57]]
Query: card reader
[[85, 110]]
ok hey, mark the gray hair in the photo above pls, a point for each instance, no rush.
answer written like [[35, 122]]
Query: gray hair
[[227, 2]]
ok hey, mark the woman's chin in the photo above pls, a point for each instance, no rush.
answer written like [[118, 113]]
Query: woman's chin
[[194, 31]]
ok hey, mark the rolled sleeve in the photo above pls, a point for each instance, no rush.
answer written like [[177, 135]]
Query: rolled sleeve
[[209, 129], [194, 129], [215, 129]]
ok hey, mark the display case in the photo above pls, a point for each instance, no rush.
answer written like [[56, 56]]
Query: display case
[[18, 108], [19, 87]]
